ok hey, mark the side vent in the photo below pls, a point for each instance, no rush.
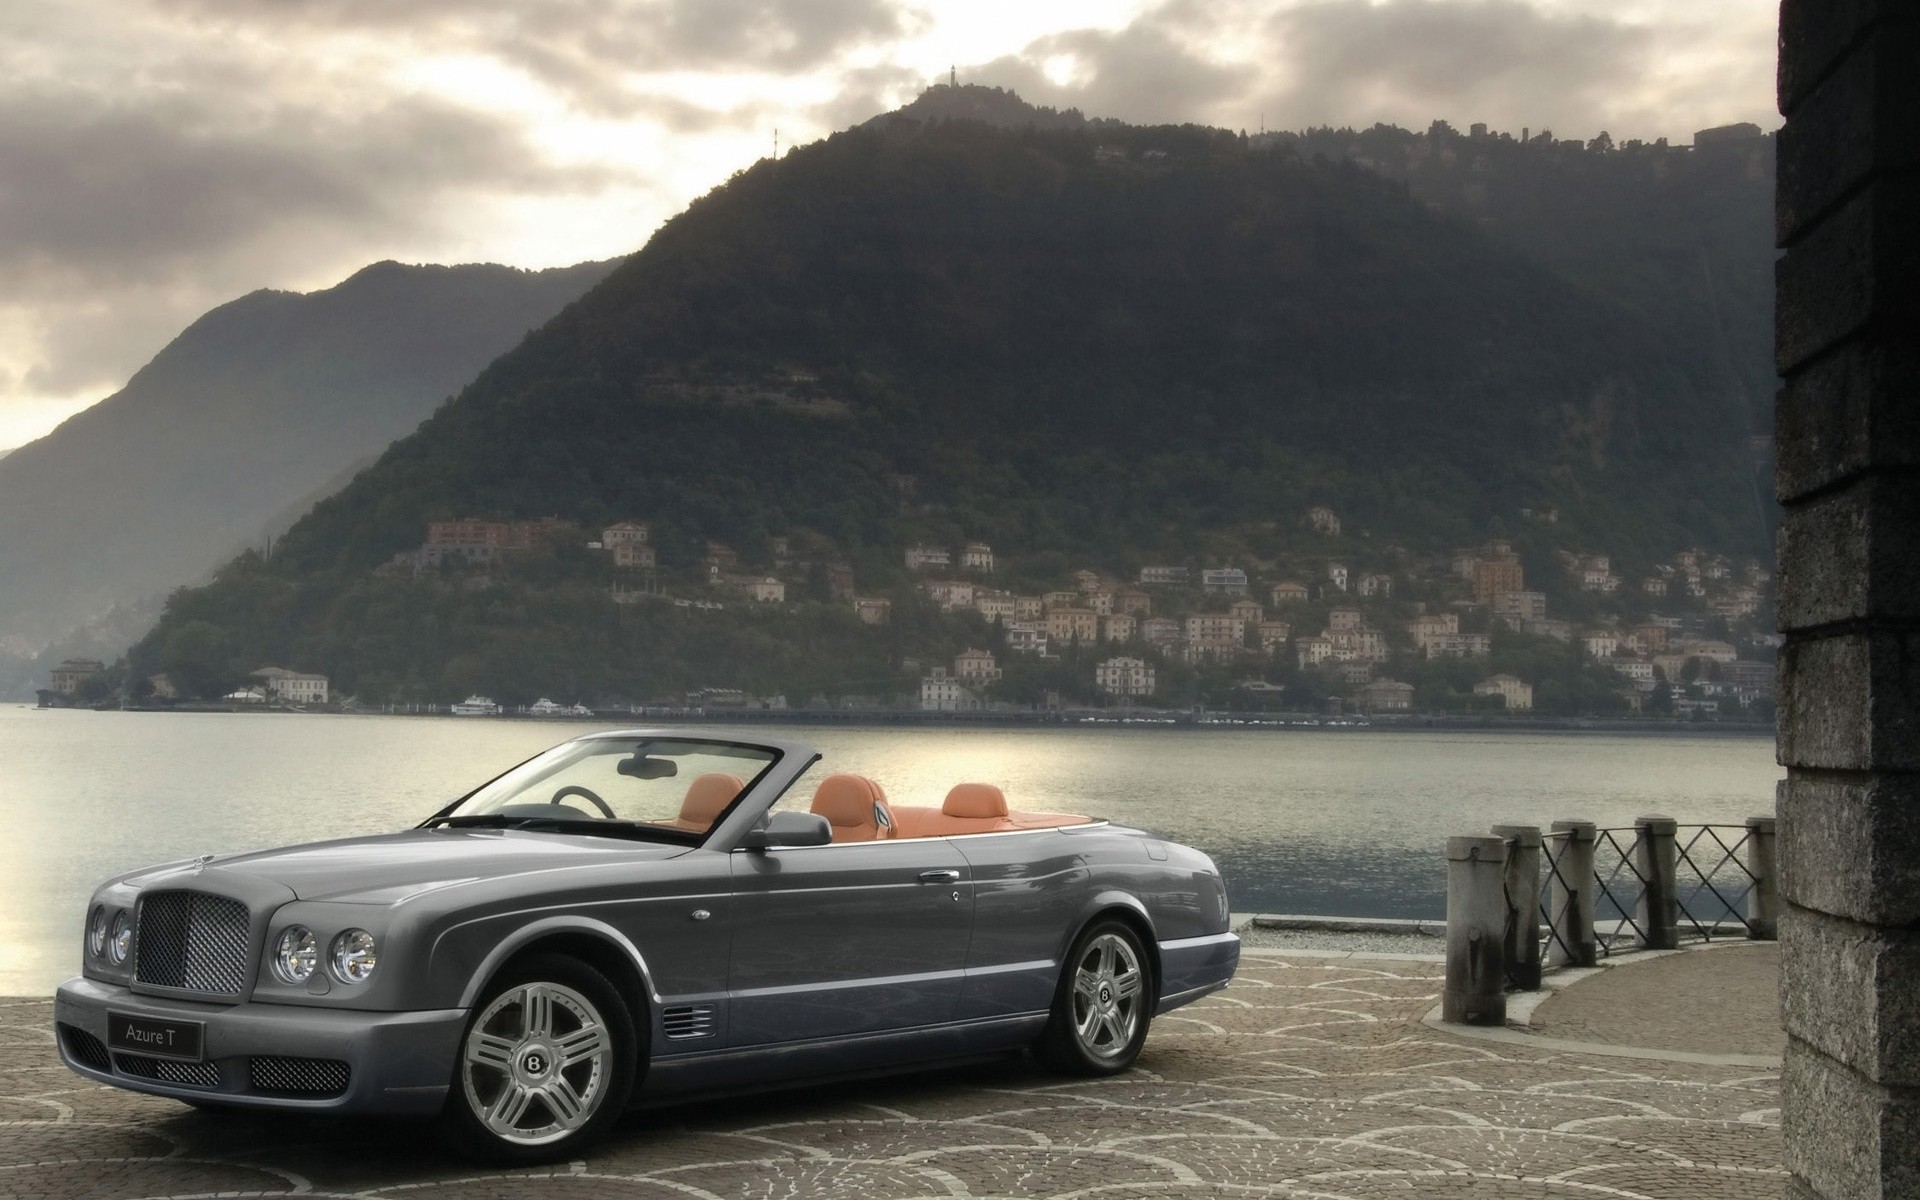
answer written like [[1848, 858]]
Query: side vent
[[688, 1021]]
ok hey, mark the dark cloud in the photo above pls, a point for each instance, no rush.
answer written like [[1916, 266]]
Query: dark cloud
[[1355, 62], [588, 50]]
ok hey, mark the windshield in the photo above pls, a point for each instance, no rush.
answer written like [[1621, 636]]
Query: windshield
[[628, 786]]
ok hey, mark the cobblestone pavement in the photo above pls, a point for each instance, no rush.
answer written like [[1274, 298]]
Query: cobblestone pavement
[[1309, 1078], [1719, 999]]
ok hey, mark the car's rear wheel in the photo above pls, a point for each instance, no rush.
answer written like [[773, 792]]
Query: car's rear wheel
[[1102, 1005], [546, 1063]]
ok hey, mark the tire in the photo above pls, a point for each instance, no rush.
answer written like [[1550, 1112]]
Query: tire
[[1102, 1004], [545, 1065]]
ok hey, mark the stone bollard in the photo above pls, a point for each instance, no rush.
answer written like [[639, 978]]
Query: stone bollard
[[1476, 988], [1658, 913], [1523, 895], [1570, 898], [1763, 902]]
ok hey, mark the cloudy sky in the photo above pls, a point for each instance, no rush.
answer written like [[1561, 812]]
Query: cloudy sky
[[158, 157]]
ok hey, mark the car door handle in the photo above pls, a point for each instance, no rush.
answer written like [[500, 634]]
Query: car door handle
[[939, 877]]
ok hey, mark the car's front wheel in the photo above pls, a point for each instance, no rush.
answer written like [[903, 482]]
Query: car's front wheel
[[545, 1066], [1102, 1005]]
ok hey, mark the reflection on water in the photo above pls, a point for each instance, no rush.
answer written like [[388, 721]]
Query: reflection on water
[[1328, 822]]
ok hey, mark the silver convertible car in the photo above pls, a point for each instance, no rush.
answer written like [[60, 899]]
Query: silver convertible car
[[644, 915]]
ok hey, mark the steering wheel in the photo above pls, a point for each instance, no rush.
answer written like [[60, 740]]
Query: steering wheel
[[574, 789]]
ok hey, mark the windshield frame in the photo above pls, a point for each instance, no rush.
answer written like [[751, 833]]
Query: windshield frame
[[449, 817]]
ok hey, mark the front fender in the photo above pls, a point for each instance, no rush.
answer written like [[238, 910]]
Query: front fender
[[467, 955]]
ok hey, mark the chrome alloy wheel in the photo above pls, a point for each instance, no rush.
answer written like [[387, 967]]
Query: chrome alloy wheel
[[1108, 988], [536, 1064]]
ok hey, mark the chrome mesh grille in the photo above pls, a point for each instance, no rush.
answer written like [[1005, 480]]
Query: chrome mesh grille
[[191, 940], [298, 1076], [165, 1070], [84, 1048], [690, 1021]]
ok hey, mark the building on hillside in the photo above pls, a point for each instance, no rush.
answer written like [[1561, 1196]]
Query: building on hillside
[[1163, 576], [1652, 635], [872, 610], [1086, 579], [1558, 630], [1517, 608], [940, 692], [1322, 519], [1133, 602], [1100, 600], [1247, 609], [975, 666], [1458, 645], [1516, 695], [1337, 575], [1385, 695], [1028, 608], [1118, 627], [767, 590], [1654, 585], [1375, 585], [840, 583], [1313, 651], [1432, 625], [1274, 635], [1756, 678], [1358, 645], [1026, 637], [1492, 576], [1059, 599], [626, 533], [1073, 625], [1344, 619], [1216, 629], [924, 558], [1600, 643], [1288, 593], [720, 557], [1353, 674], [950, 594], [634, 554], [1230, 581], [976, 556], [1127, 678], [1640, 670], [291, 687], [994, 606], [68, 677], [1720, 652], [1161, 631]]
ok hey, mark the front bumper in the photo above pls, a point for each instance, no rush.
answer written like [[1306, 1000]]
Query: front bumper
[[394, 1062]]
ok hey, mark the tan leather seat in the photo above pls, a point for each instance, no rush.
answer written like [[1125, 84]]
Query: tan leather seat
[[855, 806], [707, 797], [976, 800], [975, 808]]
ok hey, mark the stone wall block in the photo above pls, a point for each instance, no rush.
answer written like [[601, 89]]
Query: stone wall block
[[1847, 270], [1842, 992], [1854, 410], [1845, 130], [1847, 1137], [1815, 34], [1855, 847], [1851, 554], [1851, 702]]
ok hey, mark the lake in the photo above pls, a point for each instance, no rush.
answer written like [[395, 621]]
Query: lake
[[1349, 822]]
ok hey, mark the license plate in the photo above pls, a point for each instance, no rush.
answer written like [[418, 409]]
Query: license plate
[[157, 1036]]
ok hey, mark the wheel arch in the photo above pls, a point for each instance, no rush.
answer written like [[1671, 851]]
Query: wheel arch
[[1127, 909], [595, 943]]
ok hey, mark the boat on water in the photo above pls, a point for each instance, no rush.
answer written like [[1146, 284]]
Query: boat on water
[[476, 706]]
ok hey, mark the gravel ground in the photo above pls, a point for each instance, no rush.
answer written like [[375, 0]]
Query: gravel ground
[[1255, 938]]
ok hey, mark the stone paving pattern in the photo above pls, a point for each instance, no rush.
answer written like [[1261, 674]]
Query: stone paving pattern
[[1720, 999], [1308, 1078]]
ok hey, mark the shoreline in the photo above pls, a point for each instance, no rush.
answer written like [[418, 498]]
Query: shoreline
[[1065, 719]]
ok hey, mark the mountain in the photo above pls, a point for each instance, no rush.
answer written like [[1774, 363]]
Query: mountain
[[1091, 347], [257, 406]]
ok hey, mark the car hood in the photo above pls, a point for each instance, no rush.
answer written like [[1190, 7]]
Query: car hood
[[390, 867]]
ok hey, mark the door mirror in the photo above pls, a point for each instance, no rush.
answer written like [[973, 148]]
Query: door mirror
[[788, 829]]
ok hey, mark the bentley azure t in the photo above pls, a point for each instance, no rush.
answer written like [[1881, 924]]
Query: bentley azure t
[[639, 916]]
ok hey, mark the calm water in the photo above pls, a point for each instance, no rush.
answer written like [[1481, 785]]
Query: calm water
[[1328, 822]]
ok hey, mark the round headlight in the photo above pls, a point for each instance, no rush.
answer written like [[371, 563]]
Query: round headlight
[[120, 939], [296, 954], [354, 956], [97, 931]]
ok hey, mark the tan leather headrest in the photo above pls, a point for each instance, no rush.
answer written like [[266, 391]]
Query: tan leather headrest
[[975, 800], [852, 803], [707, 795]]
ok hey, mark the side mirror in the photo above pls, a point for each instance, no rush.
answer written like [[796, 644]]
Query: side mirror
[[788, 829]]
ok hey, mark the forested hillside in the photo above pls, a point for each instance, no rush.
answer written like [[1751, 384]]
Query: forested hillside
[[1099, 346]]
